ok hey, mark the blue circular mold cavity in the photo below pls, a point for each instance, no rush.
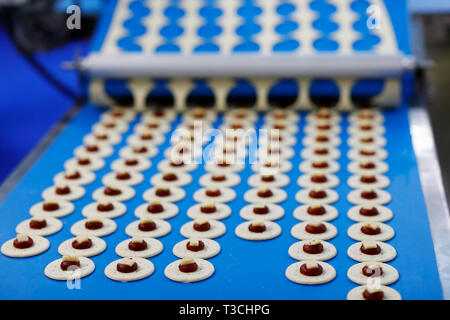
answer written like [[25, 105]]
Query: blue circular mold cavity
[[210, 12], [324, 92], [248, 29], [249, 11], [171, 31], [201, 95], [288, 45], [209, 30], [168, 48], [325, 44], [242, 95], [284, 93], [207, 47], [364, 90], [285, 9], [248, 46], [286, 27]]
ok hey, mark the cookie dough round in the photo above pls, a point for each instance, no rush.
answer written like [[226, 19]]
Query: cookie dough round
[[65, 208], [103, 151], [119, 127], [335, 118], [301, 213], [275, 212], [302, 196], [135, 179], [211, 249], [94, 165], [281, 180], [162, 228], [127, 151], [293, 274], [384, 214], [127, 194], [355, 142], [272, 231], [217, 229], [162, 126], [310, 141], [389, 293], [183, 180], [382, 198], [76, 192], [227, 195], [232, 168], [98, 246], [231, 180], [298, 232], [222, 211], [389, 276], [296, 251], [144, 270], [377, 129], [380, 155], [380, 168], [278, 196], [53, 270], [282, 167], [157, 139], [170, 211], [53, 226], [154, 247], [176, 194], [91, 211], [40, 245], [78, 228], [378, 118], [86, 177], [380, 183], [119, 165], [125, 115], [111, 139], [311, 129], [304, 181], [204, 271], [308, 154], [306, 167], [354, 232], [164, 166], [387, 253]]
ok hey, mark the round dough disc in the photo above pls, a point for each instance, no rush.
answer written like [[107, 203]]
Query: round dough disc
[[120, 165], [170, 211], [183, 180], [53, 226], [96, 164], [275, 212], [387, 253], [53, 270], [355, 198], [296, 252], [211, 249], [272, 231], [144, 270], [381, 183], [278, 196], [78, 228], [302, 196], [232, 180], [127, 194], [204, 271], [135, 179], [154, 247], [164, 166], [283, 167], [304, 181], [281, 180], [308, 154], [40, 245], [301, 213], [389, 276], [65, 208], [354, 232], [226, 196], [86, 177], [384, 214], [222, 211], [162, 228], [306, 167], [298, 231], [90, 211], [127, 151], [293, 274], [176, 194], [380, 168], [380, 154], [217, 229], [66, 249], [389, 293], [76, 192], [104, 151]]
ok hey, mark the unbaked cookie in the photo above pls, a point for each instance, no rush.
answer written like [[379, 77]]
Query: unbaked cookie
[[176, 194], [278, 195], [304, 196], [310, 154], [293, 273], [84, 163], [126, 193], [369, 141], [355, 232], [131, 164], [309, 167], [328, 251], [53, 270], [221, 211], [108, 138], [52, 226], [301, 213], [312, 141], [153, 247], [62, 209], [143, 139], [170, 210], [97, 150], [165, 166], [145, 268], [231, 180], [138, 150], [313, 180], [97, 246], [389, 293], [81, 177], [387, 253], [389, 273], [382, 197], [377, 213], [182, 179], [274, 212], [74, 192], [162, 228], [298, 231], [125, 178], [79, 228], [210, 249], [205, 269], [275, 168], [356, 167], [367, 154], [276, 181], [216, 230], [363, 181], [226, 195], [39, 245], [271, 230], [110, 210]]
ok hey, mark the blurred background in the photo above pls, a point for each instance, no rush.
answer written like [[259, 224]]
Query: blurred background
[[36, 93]]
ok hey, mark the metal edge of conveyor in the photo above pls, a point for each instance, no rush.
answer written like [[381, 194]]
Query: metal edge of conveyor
[[433, 190]]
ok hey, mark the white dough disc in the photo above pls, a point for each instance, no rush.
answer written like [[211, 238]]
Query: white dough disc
[[275, 212], [296, 252], [354, 154], [289, 115], [217, 229], [76, 192], [301, 213], [293, 274], [91, 211], [222, 211], [162, 126], [164, 166], [232, 179], [308, 154], [298, 232], [170, 211], [127, 152], [287, 140], [176, 194], [384, 214], [356, 183], [355, 142], [40, 245], [154, 247], [65, 208], [377, 129], [302, 196], [103, 151], [389, 276], [144, 270], [283, 167], [204, 271], [135, 139], [334, 119], [233, 168], [310, 141], [354, 232], [98, 246], [161, 115], [285, 153], [377, 119], [209, 115], [289, 127], [355, 197], [311, 129], [389, 293], [119, 165], [79, 229], [281, 180], [119, 127], [112, 139], [306, 167], [278, 196], [272, 231], [135, 179], [53, 270], [211, 249], [126, 116], [127, 194], [381, 167], [86, 177], [162, 228], [53, 226], [96, 164], [183, 180], [387, 253], [226, 195], [304, 181]]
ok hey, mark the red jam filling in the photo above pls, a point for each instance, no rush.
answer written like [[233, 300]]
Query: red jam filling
[[65, 265], [323, 126], [117, 113], [314, 272], [200, 247], [92, 148], [370, 231], [319, 178], [187, 268], [313, 248], [236, 126], [321, 151], [367, 165], [322, 139], [162, 192], [146, 136], [279, 126], [36, 224], [367, 153], [147, 226], [83, 161], [368, 212], [152, 125], [366, 140], [112, 191], [177, 164], [73, 176], [62, 190], [373, 296], [223, 164], [370, 251], [218, 178], [155, 208], [316, 229], [125, 268], [105, 207], [316, 211], [202, 227], [213, 193], [23, 244], [109, 125], [265, 193], [369, 195], [261, 210], [83, 245], [140, 149], [93, 225], [369, 272], [368, 179], [257, 229], [319, 165], [170, 177], [131, 162], [318, 194], [268, 178], [123, 176], [365, 127], [137, 246], [101, 136], [159, 113], [208, 209], [50, 206]]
